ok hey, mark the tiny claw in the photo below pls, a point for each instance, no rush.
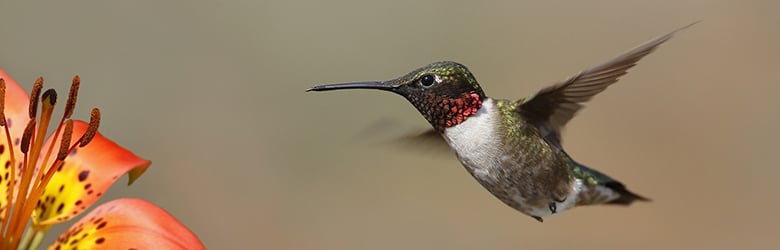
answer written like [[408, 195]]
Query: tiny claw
[[553, 207], [538, 218]]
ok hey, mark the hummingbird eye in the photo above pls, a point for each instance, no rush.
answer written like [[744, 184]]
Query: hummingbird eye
[[427, 80]]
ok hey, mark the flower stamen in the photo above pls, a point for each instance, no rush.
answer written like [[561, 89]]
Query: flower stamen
[[34, 95], [72, 96], [94, 123], [65, 142], [2, 102], [16, 228], [27, 136]]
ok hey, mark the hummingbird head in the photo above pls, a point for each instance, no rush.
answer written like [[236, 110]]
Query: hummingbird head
[[445, 93]]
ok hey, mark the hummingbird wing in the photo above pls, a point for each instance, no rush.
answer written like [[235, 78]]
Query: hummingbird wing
[[554, 106], [428, 141]]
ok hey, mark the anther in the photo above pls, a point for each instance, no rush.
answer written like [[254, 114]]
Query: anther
[[94, 123], [2, 102], [65, 142], [72, 96], [34, 95], [28, 132]]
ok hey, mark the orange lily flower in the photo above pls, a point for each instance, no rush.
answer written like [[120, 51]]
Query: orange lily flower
[[46, 182]]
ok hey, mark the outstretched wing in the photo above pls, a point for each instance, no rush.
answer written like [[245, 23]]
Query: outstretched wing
[[554, 106]]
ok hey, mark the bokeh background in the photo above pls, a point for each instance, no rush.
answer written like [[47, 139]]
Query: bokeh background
[[212, 93]]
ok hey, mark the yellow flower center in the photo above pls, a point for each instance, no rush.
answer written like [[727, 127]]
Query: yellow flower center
[[26, 187]]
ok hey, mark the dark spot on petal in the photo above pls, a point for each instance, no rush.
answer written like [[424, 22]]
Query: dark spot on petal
[[102, 225], [86, 187], [60, 207], [83, 175], [78, 202], [7, 164], [100, 240], [90, 191], [62, 187], [2, 148]]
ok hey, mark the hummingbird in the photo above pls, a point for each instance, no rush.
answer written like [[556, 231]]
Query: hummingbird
[[513, 147]]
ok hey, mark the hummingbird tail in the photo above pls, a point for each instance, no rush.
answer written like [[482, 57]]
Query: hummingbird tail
[[626, 197], [606, 187]]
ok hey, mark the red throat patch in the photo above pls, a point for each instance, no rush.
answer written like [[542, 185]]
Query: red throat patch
[[448, 112]]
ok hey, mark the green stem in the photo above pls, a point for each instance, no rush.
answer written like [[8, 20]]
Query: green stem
[[36, 240], [25, 240], [32, 238]]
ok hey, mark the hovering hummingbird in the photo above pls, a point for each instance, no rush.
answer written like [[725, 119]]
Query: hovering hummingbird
[[513, 148]]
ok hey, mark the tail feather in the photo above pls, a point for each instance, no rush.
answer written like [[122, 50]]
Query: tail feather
[[597, 195], [626, 197]]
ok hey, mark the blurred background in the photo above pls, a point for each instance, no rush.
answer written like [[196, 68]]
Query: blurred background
[[213, 93]]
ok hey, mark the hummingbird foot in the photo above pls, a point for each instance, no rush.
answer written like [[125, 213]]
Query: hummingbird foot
[[539, 218], [553, 206]]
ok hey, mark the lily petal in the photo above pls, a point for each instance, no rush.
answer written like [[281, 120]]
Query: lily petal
[[16, 113], [86, 174], [128, 224]]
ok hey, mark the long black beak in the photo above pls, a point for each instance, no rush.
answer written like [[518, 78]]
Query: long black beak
[[354, 85]]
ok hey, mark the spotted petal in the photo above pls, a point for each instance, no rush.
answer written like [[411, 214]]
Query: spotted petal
[[86, 175], [128, 224], [16, 113]]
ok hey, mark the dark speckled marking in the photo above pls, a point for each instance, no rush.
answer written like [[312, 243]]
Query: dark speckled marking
[[83, 175], [100, 240]]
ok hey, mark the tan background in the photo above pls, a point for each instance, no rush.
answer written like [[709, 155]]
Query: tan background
[[212, 92]]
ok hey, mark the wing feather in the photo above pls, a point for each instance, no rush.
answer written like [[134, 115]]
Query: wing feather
[[554, 106]]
